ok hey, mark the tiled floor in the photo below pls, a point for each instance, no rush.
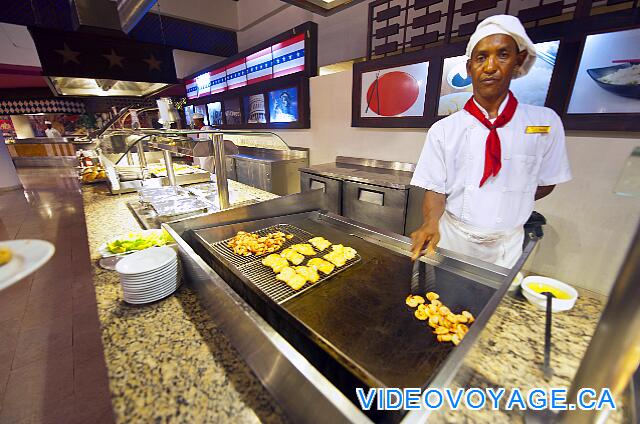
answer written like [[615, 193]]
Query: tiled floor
[[52, 366]]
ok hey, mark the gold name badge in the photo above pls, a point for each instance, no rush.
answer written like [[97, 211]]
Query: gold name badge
[[538, 130]]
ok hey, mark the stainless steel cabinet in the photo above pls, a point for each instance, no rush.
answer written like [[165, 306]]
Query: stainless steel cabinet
[[381, 207], [254, 173], [332, 189]]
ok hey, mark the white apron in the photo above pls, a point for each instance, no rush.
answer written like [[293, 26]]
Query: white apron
[[500, 248]]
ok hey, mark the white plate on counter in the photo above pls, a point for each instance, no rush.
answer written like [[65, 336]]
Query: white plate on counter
[[27, 257]]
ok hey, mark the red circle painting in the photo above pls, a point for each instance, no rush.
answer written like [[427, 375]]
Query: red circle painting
[[393, 93]]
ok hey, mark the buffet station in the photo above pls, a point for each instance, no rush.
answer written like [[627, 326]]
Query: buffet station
[[319, 304]]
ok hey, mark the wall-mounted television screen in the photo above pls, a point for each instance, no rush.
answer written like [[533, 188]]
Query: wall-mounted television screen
[[254, 109], [232, 112], [283, 105], [608, 78], [532, 89], [214, 110]]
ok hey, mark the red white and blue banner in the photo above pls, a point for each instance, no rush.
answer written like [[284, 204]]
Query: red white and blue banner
[[288, 56], [259, 66], [237, 74], [278, 60], [192, 89], [203, 82], [218, 80]]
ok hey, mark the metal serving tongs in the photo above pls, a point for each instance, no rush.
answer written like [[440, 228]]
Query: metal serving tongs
[[423, 276]]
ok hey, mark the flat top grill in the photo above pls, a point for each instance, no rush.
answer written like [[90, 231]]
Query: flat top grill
[[262, 276], [359, 319]]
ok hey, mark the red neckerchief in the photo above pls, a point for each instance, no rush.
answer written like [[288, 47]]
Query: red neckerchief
[[492, 153]]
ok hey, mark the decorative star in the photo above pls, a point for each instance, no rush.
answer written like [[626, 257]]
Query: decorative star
[[69, 55], [153, 62], [114, 59]]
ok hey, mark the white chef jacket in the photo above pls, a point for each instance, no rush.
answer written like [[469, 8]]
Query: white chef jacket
[[52, 133], [452, 163], [205, 162]]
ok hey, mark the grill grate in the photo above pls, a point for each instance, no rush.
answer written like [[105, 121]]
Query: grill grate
[[263, 277]]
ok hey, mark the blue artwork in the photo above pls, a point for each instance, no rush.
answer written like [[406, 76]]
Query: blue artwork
[[283, 105], [215, 113]]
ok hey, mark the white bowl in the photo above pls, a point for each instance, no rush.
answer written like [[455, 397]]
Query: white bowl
[[540, 300]]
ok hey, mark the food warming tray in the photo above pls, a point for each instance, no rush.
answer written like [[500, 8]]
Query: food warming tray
[[355, 328]]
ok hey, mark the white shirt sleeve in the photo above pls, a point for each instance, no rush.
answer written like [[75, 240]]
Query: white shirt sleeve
[[430, 172], [555, 167]]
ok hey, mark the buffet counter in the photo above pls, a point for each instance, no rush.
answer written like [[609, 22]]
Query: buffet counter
[[170, 360]]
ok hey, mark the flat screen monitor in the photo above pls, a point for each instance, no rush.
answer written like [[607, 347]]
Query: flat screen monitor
[[232, 113]]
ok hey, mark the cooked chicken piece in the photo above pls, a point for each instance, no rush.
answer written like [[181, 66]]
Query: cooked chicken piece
[[291, 278], [246, 244], [321, 265], [320, 243], [292, 256], [304, 248], [347, 252], [309, 273], [336, 258], [275, 262]]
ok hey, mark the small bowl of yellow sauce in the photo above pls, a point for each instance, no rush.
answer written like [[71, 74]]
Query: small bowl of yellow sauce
[[564, 299]]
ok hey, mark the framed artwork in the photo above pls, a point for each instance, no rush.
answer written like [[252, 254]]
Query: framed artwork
[[283, 105], [608, 76], [456, 89], [232, 113], [214, 110], [254, 109], [203, 110], [188, 111], [391, 92]]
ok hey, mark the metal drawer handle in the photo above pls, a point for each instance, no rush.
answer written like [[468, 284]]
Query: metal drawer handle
[[315, 184], [369, 196]]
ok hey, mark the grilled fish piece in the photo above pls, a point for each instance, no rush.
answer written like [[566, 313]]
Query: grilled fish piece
[[336, 258], [320, 243], [309, 273], [321, 265], [289, 276], [304, 248], [292, 256], [347, 252], [275, 262]]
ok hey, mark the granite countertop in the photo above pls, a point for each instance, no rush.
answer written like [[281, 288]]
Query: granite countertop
[[168, 361], [365, 174], [510, 353]]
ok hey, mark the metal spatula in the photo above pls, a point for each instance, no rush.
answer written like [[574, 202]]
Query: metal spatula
[[423, 278]]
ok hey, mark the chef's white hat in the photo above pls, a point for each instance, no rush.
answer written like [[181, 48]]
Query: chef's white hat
[[197, 116], [47, 122], [509, 25]]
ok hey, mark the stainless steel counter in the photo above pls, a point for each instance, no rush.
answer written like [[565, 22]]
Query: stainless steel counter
[[289, 374], [365, 174]]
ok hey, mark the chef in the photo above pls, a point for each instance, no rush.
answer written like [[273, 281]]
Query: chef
[[484, 167], [51, 132], [204, 162]]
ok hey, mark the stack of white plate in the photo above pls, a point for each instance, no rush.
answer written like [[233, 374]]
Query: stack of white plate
[[149, 275]]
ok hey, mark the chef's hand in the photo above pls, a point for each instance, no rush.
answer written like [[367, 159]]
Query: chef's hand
[[428, 235]]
